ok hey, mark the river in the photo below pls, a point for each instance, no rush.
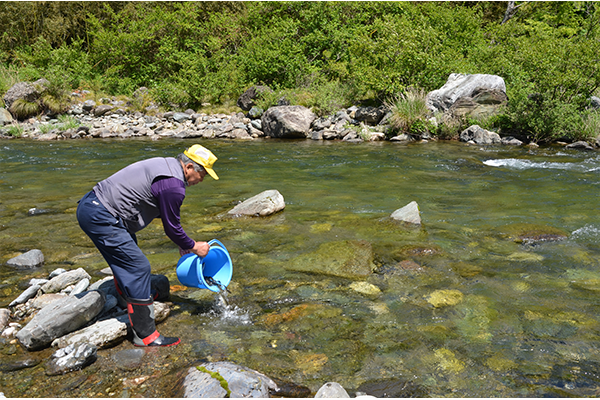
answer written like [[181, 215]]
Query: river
[[521, 321]]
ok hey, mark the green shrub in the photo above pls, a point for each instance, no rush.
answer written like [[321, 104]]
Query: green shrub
[[67, 122]]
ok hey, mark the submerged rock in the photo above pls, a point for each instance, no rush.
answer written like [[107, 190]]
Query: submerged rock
[[32, 259], [71, 358], [533, 233], [352, 259], [442, 298], [129, 360]]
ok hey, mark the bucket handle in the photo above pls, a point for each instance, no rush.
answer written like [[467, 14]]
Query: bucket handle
[[217, 242]]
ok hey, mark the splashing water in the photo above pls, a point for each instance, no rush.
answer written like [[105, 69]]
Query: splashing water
[[228, 312]]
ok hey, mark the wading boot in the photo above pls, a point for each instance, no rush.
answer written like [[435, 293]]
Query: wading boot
[[141, 316]]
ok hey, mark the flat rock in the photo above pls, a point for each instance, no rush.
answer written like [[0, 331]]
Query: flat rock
[[32, 259], [60, 318], [352, 259]]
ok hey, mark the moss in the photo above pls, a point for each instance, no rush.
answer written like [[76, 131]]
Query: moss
[[218, 377]]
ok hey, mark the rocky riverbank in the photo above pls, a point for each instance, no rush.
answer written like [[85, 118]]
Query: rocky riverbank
[[473, 95]]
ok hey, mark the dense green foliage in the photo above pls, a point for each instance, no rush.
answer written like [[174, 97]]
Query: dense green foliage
[[324, 55]]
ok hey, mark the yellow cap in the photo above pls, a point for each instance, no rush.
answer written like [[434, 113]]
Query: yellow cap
[[204, 157]]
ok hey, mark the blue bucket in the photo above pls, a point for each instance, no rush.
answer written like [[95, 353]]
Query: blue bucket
[[192, 270]]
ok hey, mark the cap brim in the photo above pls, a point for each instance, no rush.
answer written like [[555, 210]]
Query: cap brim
[[212, 173]]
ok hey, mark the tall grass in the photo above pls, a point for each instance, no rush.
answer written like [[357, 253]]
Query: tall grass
[[409, 112]]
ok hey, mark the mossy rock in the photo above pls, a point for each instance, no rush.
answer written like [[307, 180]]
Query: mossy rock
[[466, 270], [418, 251], [532, 233], [442, 298], [352, 259]]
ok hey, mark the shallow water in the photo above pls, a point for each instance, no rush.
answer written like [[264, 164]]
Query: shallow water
[[520, 320]]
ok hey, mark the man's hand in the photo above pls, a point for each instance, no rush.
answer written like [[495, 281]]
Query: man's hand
[[201, 249]]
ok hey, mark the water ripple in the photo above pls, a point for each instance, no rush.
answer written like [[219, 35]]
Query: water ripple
[[588, 165]]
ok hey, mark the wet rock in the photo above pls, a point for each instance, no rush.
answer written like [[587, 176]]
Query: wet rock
[[365, 288], [220, 379], [409, 214], [393, 388], [290, 389], [581, 145], [287, 122], [263, 204], [346, 259], [4, 318], [60, 318], [478, 135], [532, 233], [129, 360], [29, 293], [106, 333], [331, 390], [64, 280], [442, 298], [18, 365], [31, 259], [71, 358]]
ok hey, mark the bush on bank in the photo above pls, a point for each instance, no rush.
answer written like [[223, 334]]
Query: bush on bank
[[323, 55]]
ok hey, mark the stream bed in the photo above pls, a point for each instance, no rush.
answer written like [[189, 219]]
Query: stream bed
[[463, 306]]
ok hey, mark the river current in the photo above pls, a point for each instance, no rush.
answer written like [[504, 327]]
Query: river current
[[484, 315]]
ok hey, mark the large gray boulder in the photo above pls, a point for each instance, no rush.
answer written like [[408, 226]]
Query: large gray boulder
[[287, 122], [263, 204], [31, 259], [465, 86], [242, 382], [60, 318], [21, 90], [478, 135]]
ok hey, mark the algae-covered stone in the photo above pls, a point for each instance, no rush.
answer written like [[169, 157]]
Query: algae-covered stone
[[447, 361], [365, 288], [347, 259], [442, 298], [532, 233]]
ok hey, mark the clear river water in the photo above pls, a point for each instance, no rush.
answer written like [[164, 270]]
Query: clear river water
[[464, 306]]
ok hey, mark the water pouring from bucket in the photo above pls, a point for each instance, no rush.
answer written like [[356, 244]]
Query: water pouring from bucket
[[212, 272]]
